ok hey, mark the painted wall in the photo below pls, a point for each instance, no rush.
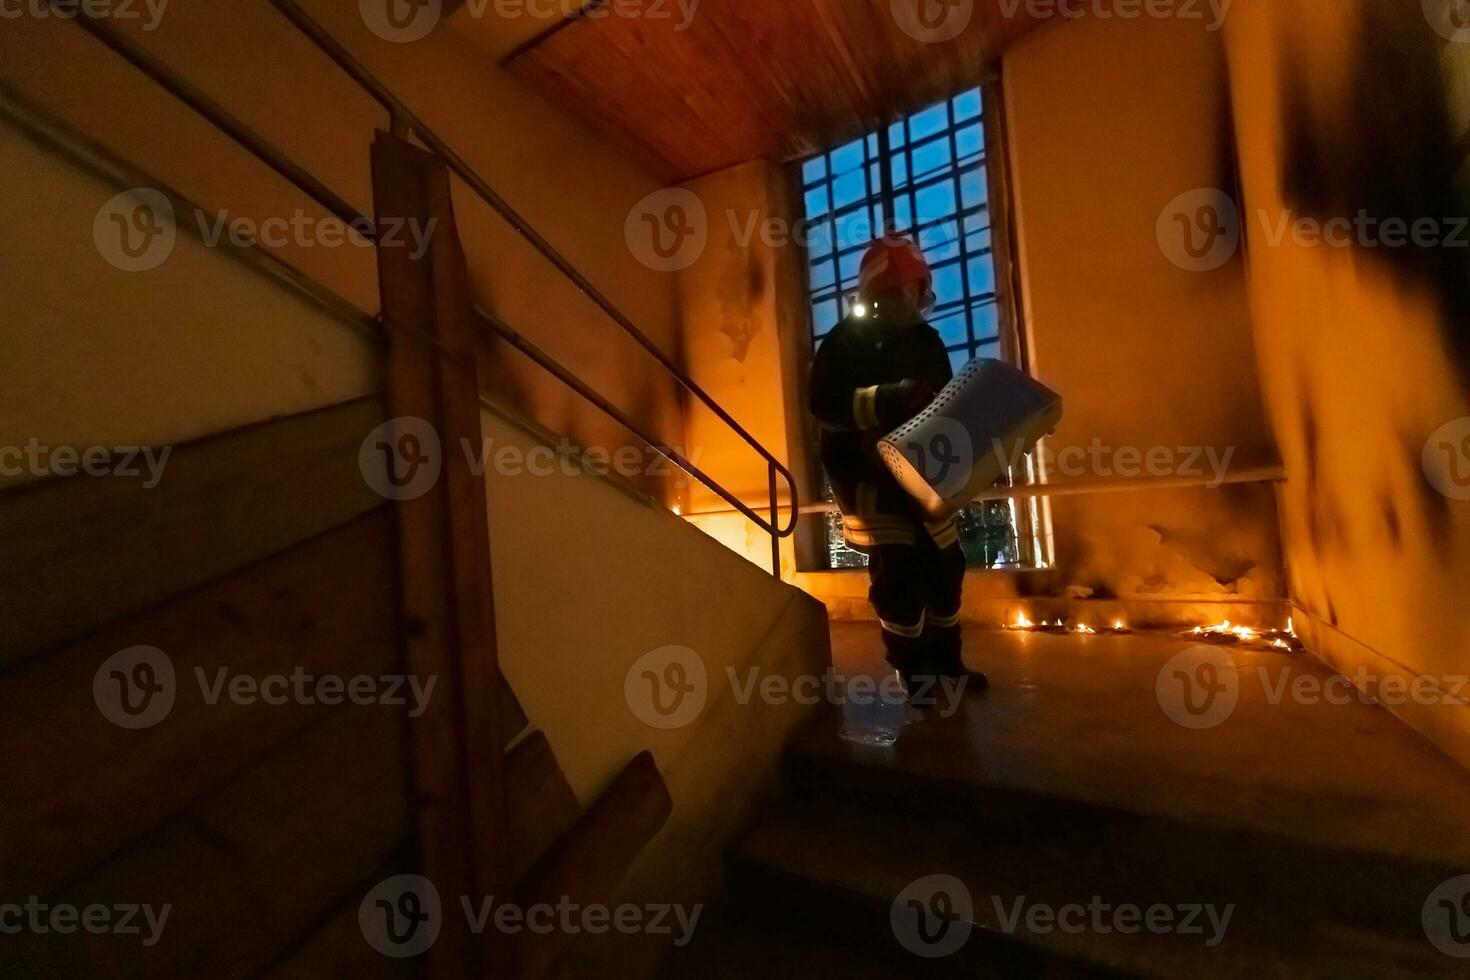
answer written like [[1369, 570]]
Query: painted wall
[[577, 621], [745, 339], [1364, 348], [91, 355], [1109, 121], [569, 184]]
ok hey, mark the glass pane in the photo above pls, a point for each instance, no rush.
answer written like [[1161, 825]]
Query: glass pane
[[841, 555], [949, 285], [824, 316], [849, 189], [849, 269], [970, 140], [982, 276], [929, 122], [930, 158], [939, 243], [823, 275], [816, 201], [967, 105], [977, 220], [987, 323], [934, 202], [848, 158], [976, 240], [953, 329], [896, 136], [814, 169], [819, 238], [972, 187], [988, 536], [958, 359], [854, 229]]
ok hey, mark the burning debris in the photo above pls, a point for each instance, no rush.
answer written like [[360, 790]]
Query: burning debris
[[1224, 634], [1060, 627]]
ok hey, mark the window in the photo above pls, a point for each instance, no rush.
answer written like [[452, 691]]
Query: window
[[924, 176]]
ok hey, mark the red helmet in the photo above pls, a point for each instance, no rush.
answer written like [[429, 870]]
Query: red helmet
[[891, 263]]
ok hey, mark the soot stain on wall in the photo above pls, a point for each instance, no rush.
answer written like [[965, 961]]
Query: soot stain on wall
[[1439, 514], [741, 288], [1392, 152], [1227, 166], [1311, 441], [1391, 521], [1203, 552]]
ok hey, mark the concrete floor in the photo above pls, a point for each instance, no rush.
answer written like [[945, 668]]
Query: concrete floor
[[1080, 718]]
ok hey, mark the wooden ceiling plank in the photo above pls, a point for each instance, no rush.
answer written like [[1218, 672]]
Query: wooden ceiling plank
[[656, 84], [777, 95], [752, 79], [571, 18]]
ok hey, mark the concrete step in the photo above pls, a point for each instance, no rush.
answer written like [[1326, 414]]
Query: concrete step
[[1323, 828], [1296, 882], [841, 867], [787, 927]]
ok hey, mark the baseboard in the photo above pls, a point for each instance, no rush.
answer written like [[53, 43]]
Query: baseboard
[[985, 609]]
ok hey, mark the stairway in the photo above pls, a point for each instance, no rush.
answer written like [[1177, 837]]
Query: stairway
[[1325, 826]]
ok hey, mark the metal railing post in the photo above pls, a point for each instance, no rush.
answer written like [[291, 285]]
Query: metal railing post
[[775, 523]]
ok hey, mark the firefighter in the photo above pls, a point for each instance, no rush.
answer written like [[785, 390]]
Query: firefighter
[[877, 369]]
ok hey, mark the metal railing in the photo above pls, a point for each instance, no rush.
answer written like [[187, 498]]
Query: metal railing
[[404, 122]]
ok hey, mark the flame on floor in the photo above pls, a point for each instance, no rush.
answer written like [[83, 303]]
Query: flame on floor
[[1025, 625], [1225, 629], [1226, 633]]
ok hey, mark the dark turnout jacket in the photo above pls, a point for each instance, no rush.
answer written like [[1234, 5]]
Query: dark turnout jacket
[[858, 397]]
